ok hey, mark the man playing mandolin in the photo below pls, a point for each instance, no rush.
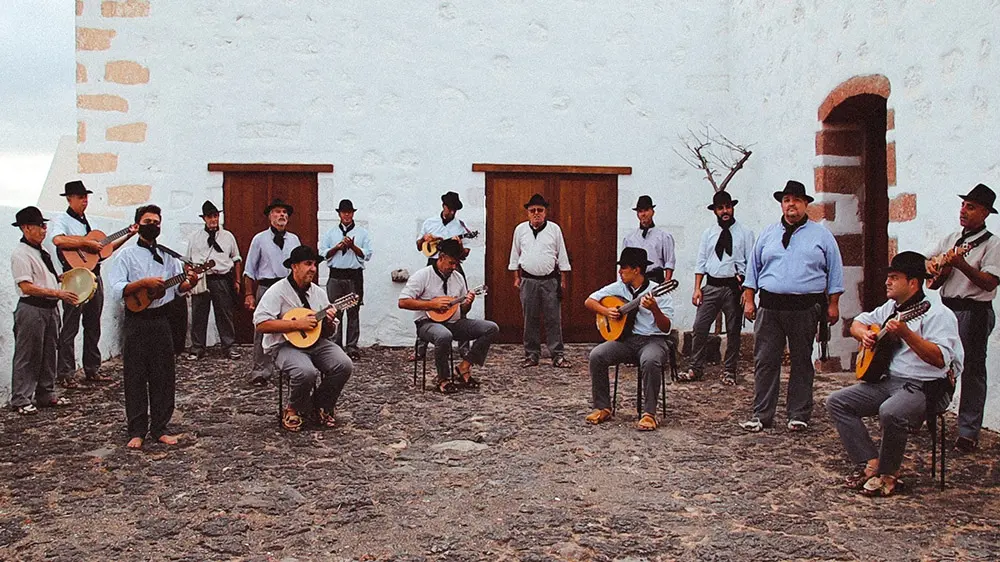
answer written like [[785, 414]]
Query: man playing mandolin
[[924, 351], [644, 340]]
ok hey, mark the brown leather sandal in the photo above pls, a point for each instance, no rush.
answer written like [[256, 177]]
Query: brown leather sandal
[[291, 421], [646, 423], [598, 416], [325, 419]]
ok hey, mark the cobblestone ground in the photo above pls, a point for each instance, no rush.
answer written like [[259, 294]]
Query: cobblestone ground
[[510, 472]]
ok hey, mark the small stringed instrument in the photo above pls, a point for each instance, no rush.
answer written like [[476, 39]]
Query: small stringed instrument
[[612, 329], [943, 271], [873, 364], [430, 247], [306, 338], [141, 299], [454, 306], [79, 257]]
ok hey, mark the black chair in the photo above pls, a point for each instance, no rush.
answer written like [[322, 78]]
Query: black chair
[[282, 377], [938, 394], [672, 357], [423, 362]]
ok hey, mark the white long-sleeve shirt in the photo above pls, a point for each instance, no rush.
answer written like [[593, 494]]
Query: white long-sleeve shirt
[[538, 253]]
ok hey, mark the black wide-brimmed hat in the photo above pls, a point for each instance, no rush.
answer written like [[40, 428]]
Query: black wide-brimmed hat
[[634, 257], [208, 208], [722, 198], [983, 195], [537, 199], [644, 202], [452, 201], [345, 206], [29, 215], [793, 188], [277, 202], [75, 187], [301, 254], [451, 247], [911, 264]]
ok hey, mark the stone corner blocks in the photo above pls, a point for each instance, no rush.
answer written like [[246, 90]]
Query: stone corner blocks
[[96, 163], [128, 195], [125, 9], [126, 72], [131, 132], [102, 102]]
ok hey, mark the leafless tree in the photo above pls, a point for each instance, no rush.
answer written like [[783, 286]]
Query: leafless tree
[[712, 152]]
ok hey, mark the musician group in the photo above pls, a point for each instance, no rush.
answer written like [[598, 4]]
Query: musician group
[[788, 281]]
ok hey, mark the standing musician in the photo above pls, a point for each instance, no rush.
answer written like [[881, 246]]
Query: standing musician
[[323, 366], [540, 264], [658, 243], [346, 249], [147, 342], [797, 268], [433, 288], [69, 231], [219, 288], [723, 255], [969, 293], [644, 341], [264, 267], [927, 347], [36, 317]]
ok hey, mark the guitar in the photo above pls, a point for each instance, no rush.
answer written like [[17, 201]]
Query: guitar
[[873, 364], [141, 299], [430, 247], [454, 306], [306, 338], [79, 257], [940, 273], [612, 329]]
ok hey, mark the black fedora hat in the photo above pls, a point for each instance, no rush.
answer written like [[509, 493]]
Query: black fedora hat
[[644, 202], [634, 257], [983, 195], [793, 188], [722, 198], [911, 264], [75, 187], [208, 208], [27, 216], [301, 254], [451, 247], [277, 202], [452, 201], [537, 199], [346, 206]]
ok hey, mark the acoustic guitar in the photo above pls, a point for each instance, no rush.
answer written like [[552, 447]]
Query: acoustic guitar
[[456, 303], [306, 338], [79, 257], [430, 247], [612, 329], [141, 299], [943, 271], [873, 364]]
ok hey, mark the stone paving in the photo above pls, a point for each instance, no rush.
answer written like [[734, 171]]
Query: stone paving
[[509, 472]]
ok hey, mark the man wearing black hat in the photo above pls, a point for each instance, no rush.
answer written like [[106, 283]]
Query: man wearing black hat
[[723, 255], [658, 243], [323, 366], [540, 264], [434, 288], [36, 317], [969, 292], [926, 348], [69, 232], [644, 341], [219, 287], [346, 249], [797, 268], [264, 267]]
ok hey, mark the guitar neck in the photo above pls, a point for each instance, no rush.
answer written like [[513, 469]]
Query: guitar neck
[[115, 236]]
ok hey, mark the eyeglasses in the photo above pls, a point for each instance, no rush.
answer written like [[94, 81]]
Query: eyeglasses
[[536, 211]]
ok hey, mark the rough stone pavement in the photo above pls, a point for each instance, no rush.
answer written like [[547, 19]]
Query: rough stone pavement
[[510, 472]]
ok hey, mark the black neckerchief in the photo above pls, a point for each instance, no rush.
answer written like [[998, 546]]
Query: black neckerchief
[[442, 277], [344, 231], [152, 249], [302, 293], [46, 258], [279, 238], [790, 229], [80, 218], [966, 235], [211, 240], [539, 229], [630, 318], [916, 299], [446, 221], [645, 229], [724, 245]]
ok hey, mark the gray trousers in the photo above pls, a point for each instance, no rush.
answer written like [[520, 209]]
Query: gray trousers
[[464, 329], [263, 366], [36, 331], [336, 288], [900, 405], [540, 300], [649, 352], [715, 299], [322, 366], [771, 330], [90, 312], [220, 297], [974, 328]]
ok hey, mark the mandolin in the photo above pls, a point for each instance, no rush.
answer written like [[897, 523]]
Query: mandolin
[[430, 247], [306, 338], [141, 299], [454, 306], [612, 329], [79, 257], [939, 273], [873, 364]]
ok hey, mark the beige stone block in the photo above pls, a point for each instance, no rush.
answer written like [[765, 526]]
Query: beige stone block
[[90, 39], [81, 132], [125, 72], [132, 132], [102, 102], [81, 73], [96, 163], [129, 195], [125, 9], [79, 7]]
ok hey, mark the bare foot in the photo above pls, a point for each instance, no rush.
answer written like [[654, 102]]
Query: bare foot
[[168, 439], [134, 443]]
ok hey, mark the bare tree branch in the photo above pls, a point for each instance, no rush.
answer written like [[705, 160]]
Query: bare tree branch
[[711, 152]]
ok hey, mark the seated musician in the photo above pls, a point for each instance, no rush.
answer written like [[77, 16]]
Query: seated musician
[[643, 342], [323, 362], [927, 347], [434, 288]]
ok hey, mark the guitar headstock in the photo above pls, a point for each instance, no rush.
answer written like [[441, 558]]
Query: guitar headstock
[[347, 301], [203, 267], [480, 290], [915, 312], [664, 288], [471, 234]]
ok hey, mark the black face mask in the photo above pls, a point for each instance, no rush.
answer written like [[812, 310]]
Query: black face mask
[[149, 231]]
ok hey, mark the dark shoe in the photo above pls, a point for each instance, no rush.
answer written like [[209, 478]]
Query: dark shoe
[[233, 354], [97, 379], [797, 425], [730, 379], [69, 383], [354, 353], [966, 445], [260, 381], [560, 362], [192, 356], [688, 376], [529, 362], [55, 403]]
